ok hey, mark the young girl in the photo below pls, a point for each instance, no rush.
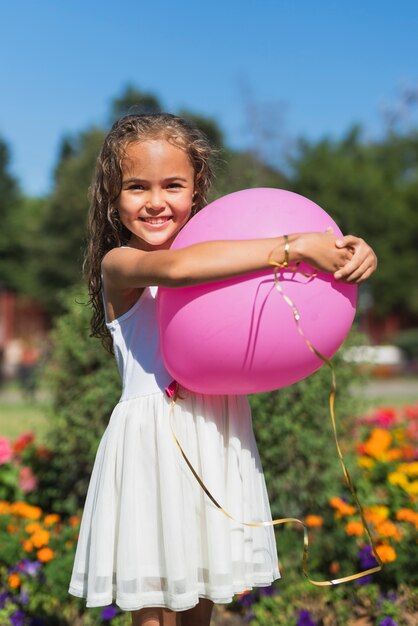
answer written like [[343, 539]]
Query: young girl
[[150, 538]]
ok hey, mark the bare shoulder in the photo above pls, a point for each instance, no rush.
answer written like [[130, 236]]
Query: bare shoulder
[[119, 298], [118, 262]]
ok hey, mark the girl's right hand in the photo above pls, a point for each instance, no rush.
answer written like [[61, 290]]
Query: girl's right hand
[[320, 251]]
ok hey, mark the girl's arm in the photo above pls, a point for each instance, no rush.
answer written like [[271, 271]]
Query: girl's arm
[[126, 268]]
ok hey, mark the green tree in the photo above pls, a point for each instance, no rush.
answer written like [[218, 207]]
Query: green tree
[[59, 245], [133, 100], [370, 189], [12, 222]]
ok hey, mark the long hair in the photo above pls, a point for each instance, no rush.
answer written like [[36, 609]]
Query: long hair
[[105, 231]]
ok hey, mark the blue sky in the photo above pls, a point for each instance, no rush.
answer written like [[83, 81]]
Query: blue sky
[[311, 68]]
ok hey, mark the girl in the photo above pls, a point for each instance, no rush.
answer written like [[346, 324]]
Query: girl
[[150, 538]]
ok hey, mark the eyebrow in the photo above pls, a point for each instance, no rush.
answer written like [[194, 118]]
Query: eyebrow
[[135, 179]]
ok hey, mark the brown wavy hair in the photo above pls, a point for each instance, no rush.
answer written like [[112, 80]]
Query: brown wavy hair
[[105, 231]]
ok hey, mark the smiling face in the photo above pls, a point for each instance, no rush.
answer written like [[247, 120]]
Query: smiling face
[[157, 193]]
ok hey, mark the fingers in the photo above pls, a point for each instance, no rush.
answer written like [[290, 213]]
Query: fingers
[[358, 269], [347, 241]]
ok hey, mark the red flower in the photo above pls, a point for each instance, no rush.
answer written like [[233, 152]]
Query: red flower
[[23, 441]]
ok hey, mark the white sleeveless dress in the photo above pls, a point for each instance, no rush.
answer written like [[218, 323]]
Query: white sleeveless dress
[[149, 535]]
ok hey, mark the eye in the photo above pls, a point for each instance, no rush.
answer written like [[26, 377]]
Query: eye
[[135, 186], [174, 186]]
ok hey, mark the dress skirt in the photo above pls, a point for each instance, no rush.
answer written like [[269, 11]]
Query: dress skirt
[[149, 535]]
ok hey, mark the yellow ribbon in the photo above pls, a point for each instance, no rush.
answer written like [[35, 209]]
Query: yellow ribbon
[[285, 520]]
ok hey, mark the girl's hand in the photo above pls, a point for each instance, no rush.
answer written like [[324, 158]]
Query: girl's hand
[[320, 251], [362, 263]]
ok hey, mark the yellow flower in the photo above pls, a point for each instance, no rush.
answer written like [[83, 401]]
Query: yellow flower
[[354, 528], [376, 514], [14, 581], [412, 488], [410, 469], [45, 554], [396, 478], [365, 461], [386, 553], [40, 538], [314, 521]]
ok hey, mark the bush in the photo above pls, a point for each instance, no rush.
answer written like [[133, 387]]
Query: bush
[[407, 341], [85, 386], [296, 441]]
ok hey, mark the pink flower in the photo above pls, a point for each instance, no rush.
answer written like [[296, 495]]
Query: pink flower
[[6, 451], [27, 480]]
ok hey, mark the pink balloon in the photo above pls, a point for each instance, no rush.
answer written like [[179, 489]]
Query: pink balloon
[[239, 336]]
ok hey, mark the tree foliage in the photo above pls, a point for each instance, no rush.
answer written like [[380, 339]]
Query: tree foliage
[[11, 211], [369, 187], [371, 190]]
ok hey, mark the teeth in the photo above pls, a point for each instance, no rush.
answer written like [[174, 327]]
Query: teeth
[[155, 220]]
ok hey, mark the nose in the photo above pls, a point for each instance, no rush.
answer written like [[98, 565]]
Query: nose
[[155, 200]]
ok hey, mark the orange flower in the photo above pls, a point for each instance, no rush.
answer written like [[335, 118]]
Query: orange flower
[[335, 567], [378, 443], [12, 528], [45, 554], [33, 527], [386, 553], [40, 538], [4, 507], [14, 581], [407, 515], [394, 454], [342, 507], [354, 528], [27, 545], [388, 529], [51, 519], [26, 510], [314, 521], [74, 520]]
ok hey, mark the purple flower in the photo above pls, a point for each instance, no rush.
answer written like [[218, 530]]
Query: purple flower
[[387, 621], [24, 597], [18, 618], [304, 619], [246, 600], [248, 617], [109, 612], [366, 558], [364, 580], [31, 568], [267, 591], [3, 599]]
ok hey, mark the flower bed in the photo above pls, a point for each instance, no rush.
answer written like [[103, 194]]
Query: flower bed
[[37, 547]]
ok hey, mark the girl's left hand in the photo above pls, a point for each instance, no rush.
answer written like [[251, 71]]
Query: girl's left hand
[[361, 265]]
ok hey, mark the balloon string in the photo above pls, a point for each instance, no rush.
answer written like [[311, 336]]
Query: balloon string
[[294, 520]]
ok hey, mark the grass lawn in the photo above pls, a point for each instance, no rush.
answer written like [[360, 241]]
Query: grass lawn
[[18, 415]]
